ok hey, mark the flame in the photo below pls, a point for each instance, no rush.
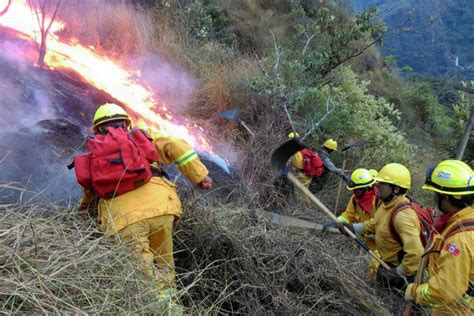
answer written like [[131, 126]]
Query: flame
[[103, 73]]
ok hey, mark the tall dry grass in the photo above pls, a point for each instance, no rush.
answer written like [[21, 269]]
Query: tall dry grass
[[54, 262]]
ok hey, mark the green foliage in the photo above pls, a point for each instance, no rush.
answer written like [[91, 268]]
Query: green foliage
[[204, 19], [363, 116], [339, 39]]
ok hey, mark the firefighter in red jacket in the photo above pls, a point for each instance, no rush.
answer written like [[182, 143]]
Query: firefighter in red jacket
[[143, 217], [450, 287]]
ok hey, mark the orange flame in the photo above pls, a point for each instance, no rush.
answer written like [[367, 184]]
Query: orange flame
[[103, 73]]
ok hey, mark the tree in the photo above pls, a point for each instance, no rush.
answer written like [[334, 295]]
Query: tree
[[5, 9], [41, 9]]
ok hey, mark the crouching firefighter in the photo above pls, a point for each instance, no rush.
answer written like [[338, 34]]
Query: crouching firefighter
[[136, 202], [450, 287]]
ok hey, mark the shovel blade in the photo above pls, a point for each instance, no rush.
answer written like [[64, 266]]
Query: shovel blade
[[232, 115], [282, 154], [359, 143]]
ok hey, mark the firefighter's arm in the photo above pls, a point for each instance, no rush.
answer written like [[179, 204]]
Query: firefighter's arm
[[89, 199], [328, 164], [451, 280], [177, 151], [349, 214], [407, 225]]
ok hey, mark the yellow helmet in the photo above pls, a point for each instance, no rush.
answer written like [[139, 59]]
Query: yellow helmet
[[361, 178], [331, 144], [110, 112], [373, 172], [293, 135], [452, 177], [395, 173]]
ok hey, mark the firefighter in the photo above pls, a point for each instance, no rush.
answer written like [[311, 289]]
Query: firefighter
[[450, 287], [143, 218], [404, 255], [328, 147], [362, 206], [297, 162]]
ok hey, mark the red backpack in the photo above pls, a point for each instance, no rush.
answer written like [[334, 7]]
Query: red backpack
[[116, 163], [312, 163], [425, 216]]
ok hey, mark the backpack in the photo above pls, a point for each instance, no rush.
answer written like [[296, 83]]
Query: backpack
[[425, 216], [465, 225], [312, 163], [116, 163]]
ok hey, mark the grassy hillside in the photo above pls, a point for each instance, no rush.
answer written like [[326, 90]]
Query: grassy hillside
[[307, 66]]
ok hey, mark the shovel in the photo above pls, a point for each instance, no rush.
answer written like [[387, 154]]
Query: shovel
[[233, 115], [359, 143], [279, 159]]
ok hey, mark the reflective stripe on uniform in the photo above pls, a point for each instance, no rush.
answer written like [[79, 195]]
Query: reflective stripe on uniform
[[342, 219], [185, 158], [427, 297], [468, 299]]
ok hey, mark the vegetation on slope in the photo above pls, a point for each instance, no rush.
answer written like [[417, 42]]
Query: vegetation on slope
[[285, 65]]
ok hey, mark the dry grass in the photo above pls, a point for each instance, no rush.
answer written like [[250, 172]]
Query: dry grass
[[228, 262], [52, 262]]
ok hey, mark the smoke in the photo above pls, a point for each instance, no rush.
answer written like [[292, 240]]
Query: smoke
[[25, 98], [35, 141], [171, 83]]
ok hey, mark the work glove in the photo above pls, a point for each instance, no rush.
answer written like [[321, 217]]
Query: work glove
[[341, 226], [392, 276], [206, 183], [331, 224], [410, 292]]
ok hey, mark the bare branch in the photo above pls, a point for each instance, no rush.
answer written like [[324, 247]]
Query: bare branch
[[53, 17], [315, 126], [41, 14], [262, 68], [308, 41], [4, 10], [276, 67]]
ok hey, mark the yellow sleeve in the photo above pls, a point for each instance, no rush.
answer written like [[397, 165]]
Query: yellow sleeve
[[349, 214], [453, 268], [407, 225], [177, 151]]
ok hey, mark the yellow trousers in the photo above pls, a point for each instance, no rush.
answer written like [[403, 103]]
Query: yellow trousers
[[152, 242]]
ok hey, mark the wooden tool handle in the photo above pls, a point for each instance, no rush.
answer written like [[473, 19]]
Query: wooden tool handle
[[247, 128], [323, 207], [339, 187]]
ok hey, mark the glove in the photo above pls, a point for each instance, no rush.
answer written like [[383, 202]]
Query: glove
[[410, 292], [346, 179], [341, 226], [326, 226], [206, 183]]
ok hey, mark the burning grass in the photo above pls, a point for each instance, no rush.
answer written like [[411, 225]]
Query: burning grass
[[53, 261]]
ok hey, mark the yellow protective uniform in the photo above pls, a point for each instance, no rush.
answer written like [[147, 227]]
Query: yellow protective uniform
[[451, 269], [355, 214], [407, 225], [142, 217]]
